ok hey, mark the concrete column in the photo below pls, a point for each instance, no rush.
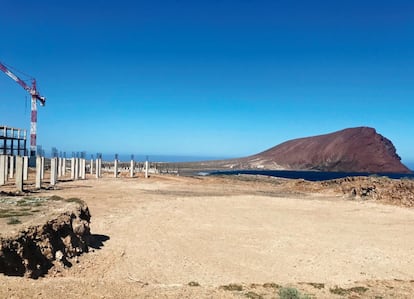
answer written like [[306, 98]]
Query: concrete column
[[116, 168], [19, 173], [97, 168], [6, 169], [57, 169], [38, 172], [79, 168], [131, 169], [72, 168], [11, 167], [53, 171], [2, 169], [91, 167], [76, 168], [42, 174], [63, 166], [59, 166], [83, 168], [25, 168], [146, 169], [100, 167]]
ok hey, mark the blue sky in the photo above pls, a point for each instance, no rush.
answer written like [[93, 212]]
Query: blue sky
[[208, 78]]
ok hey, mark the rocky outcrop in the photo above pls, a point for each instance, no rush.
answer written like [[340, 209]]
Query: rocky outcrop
[[396, 192], [399, 192], [33, 251], [359, 149]]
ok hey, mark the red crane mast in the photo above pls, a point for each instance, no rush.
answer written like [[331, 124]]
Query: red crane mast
[[35, 97]]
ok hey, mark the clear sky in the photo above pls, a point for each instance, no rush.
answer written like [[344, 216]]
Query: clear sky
[[221, 78]]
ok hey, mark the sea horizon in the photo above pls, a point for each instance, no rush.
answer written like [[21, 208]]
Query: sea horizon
[[175, 158], [161, 158]]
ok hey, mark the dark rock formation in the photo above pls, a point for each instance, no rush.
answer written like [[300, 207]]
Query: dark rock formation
[[359, 149]]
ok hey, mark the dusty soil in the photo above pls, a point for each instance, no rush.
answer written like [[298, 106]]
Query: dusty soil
[[234, 237]]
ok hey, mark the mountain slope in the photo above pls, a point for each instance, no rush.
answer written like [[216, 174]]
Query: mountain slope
[[359, 149]]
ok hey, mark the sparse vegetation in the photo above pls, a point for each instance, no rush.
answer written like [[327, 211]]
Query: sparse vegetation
[[8, 213], [291, 293], [253, 295], [193, 284], [271, 285], [254, 285], [232, 287], [74, 199], [317, 285], [27, 206], [342, 292], [13, 221], [55, 198]]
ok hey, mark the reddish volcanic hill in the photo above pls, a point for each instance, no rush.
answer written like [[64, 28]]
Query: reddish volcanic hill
[[359, 149]]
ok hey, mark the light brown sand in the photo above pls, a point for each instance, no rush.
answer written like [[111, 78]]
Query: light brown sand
[[167, 231]]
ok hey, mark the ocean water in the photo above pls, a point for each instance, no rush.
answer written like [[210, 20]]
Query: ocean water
[[159, 158], [308, 175]]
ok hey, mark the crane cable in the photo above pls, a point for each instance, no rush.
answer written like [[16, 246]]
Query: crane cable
[[18, 71]]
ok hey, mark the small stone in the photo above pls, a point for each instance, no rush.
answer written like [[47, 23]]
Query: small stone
[[59, 255]]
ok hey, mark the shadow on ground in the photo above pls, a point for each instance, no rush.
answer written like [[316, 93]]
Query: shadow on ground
[[96, 241]]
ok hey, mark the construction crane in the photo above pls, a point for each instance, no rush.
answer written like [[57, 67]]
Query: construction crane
[[35, 97]]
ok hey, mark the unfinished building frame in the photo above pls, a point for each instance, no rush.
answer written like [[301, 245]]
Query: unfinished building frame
[[12, 141]]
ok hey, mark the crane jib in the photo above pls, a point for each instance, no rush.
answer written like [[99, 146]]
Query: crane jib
[[35, 96]]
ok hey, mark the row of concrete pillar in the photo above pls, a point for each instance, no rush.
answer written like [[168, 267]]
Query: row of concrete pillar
[[7, 166], [17, 166], [131, 168]]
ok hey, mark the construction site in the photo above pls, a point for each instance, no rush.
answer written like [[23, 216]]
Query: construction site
[[76, 227]]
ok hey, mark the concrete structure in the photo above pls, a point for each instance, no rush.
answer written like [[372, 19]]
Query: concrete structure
[[131, 169], [76, 168], [100, 167], [82, 169], [59, 166], [97, 168], [53, 171], [6, 169], [11, 167], [25, 168], [42, 174], [39, 166], [72, 168], [116, 168], [63, 166], [146, 169], [19, 173], [3, 169], [91, 167]]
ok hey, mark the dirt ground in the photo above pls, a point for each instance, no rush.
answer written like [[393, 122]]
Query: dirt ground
[[216, 237]]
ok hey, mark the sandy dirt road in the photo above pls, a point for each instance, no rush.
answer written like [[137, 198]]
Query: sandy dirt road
[[161, 234]]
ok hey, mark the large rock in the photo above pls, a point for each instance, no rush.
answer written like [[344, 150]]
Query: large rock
[[359, 149]]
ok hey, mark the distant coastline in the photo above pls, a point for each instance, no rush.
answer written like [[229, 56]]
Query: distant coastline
[[308, 175], [161, 158], [410, 165]]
